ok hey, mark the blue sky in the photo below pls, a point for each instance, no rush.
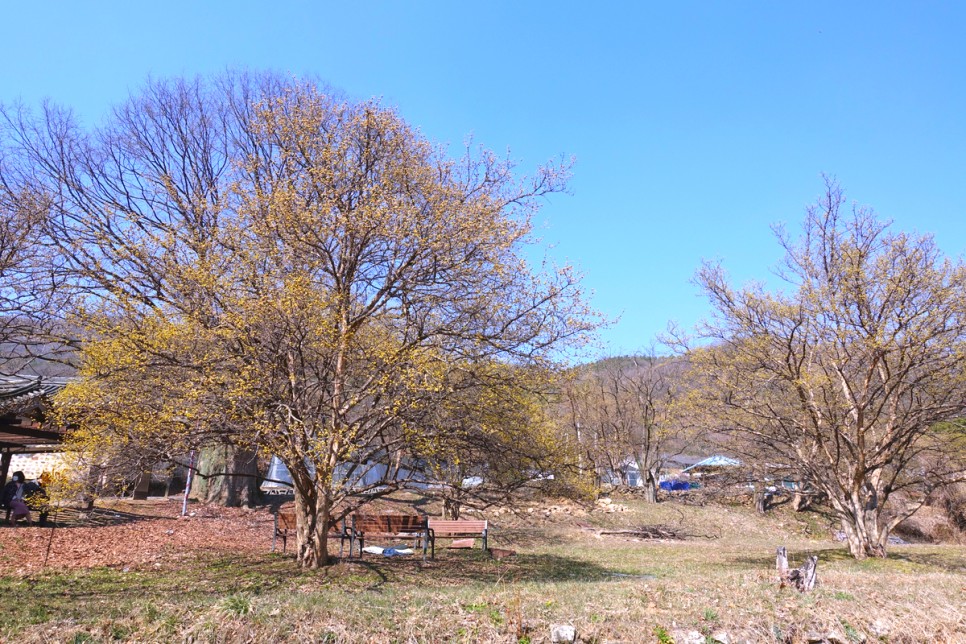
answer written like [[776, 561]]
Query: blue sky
[[695, 125]]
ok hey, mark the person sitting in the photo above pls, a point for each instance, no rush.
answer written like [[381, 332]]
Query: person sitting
[[14, 498]]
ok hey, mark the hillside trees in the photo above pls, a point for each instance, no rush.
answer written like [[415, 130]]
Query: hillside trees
[[841, 378], [278, 267], [633, 409]]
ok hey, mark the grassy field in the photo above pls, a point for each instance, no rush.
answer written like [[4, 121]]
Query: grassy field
[[610, 587]]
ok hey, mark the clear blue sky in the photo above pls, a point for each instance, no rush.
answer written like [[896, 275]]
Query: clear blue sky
[[695, 125]]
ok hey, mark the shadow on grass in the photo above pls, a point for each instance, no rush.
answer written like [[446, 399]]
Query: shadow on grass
[[478, 567], [945, 561], [199, 578], [204, 581], [898, 557]]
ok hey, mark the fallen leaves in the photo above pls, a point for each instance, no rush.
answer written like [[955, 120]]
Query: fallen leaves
[[134, 535]]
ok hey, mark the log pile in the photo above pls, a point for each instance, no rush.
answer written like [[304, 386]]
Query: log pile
[[655, 532], [648, 532]]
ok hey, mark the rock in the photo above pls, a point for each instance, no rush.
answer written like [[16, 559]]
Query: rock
[[687, 637], [836, 637], [721, 637], [563, 634], [814, 637], [501, 553], [880, 628]]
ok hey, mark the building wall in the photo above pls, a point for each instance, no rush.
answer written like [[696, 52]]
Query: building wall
[[33, 465]]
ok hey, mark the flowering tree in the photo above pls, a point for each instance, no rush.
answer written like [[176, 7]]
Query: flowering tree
[[842, 379], [298, 274]]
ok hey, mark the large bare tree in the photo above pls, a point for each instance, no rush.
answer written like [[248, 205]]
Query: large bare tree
[[31, 334], [841, 377]]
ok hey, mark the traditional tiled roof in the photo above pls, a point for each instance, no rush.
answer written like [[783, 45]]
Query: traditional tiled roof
[[17, 389], [20, 397]]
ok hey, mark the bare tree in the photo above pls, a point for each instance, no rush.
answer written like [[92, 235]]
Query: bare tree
[[31, 337], [841, 378]]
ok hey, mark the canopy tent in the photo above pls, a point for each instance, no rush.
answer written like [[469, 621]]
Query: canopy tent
[[278, 480], [713, 462]]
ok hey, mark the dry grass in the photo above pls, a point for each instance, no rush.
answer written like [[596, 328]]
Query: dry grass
[[612, 589]]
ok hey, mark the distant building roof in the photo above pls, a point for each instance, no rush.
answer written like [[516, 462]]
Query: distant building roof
[[683, 459]]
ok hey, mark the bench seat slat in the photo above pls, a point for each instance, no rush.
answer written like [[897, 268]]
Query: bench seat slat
[[457, 529]]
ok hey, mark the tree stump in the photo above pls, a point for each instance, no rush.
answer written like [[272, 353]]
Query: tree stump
[[781, 563], [802, 578]]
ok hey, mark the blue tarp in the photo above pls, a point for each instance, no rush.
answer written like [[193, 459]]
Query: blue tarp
[[675, 485]]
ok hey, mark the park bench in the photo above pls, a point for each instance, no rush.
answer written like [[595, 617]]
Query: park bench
[[285, 524], [389, 526], [460, 529]]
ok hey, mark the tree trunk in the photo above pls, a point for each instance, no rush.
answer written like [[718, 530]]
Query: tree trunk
[[312, 519], [762, 497], [860, 518], [243, 483], [860, 522], [865, 537], [650, 486], [451, 508], [229, 476]]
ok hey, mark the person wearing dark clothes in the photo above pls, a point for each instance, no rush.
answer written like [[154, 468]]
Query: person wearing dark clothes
[[14, 498]]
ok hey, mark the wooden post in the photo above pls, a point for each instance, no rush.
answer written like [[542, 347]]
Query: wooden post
[[5, 466]]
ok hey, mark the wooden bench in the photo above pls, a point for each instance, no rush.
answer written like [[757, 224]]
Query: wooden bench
[[461, 529], [285, 524], [389, 526]]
